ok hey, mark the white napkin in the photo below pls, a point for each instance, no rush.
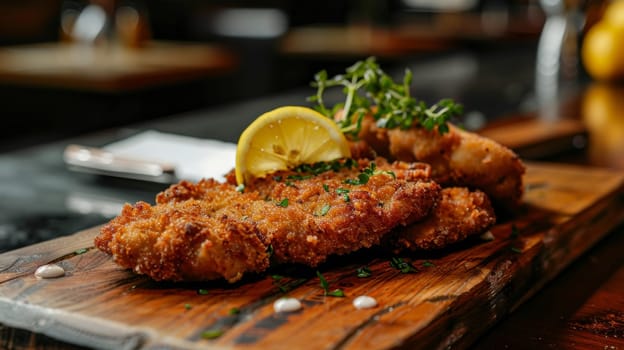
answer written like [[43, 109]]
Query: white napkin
[[192, 157]]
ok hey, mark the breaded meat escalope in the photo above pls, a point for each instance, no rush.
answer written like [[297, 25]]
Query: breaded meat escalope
[[457, 158], [210, 230], [460, 213], [189, 239], [338, 212]]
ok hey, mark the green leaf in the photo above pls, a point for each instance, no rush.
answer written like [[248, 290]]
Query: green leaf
[[401, 265], [365, 85], [336, 293], [240, 188], [363, 272], [212, 333], [324, 210], [324, 283]]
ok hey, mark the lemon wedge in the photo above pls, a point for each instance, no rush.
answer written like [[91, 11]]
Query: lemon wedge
[[286, 137]]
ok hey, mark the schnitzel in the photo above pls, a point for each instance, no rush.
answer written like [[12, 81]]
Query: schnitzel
[[459, 214], [210, 230], [334, 215], [457, 158]]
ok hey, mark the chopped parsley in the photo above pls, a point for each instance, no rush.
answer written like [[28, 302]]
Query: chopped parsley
[[345, 193], [202, 291], [283, 203], [401, 265], [366, 173], [81, 251], [428, 263], [234, 311], [369, 90], [324, 210], [188, 306], [336, 293], [325, 285], [212, 333], [364, 272], [276, 281]]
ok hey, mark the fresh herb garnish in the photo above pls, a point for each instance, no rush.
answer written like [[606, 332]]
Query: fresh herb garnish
[[81, 251], [299, 177], [324, 210], [188, 306], [276, 282], [336, 293], [345, 193], [326, 187], [283, 203], [202, 291], [325, 285], [366, 173], [516, 250], [363, 272], [212, 333], [234, 311], [369, 90], [428, 263], [401, 265]]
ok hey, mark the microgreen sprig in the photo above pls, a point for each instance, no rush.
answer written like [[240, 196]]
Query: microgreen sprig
[[369, 90]]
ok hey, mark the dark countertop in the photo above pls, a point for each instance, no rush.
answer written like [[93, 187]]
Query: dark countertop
[[41, 199]]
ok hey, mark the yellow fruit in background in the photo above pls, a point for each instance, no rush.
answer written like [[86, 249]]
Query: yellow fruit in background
[[603, 114], [614, 14], [603, 51], [603, 46]]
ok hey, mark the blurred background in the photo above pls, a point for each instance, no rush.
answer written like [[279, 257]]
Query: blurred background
[[72, 66]]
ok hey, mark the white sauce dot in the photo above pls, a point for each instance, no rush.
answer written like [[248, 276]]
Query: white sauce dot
[[49, 271], [364, 302], [286, 305]]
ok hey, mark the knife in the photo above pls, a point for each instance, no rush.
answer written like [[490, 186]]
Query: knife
[[99, 161]]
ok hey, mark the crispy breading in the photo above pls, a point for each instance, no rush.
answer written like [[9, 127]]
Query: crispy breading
[[460, 213], [457, 158], [190, 239], [209, 230], [340, 217]]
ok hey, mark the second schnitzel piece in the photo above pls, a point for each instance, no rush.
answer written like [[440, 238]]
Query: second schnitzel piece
[[210, 230], [460, 213], [457, 158]]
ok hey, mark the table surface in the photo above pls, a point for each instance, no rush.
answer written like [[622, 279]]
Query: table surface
[[582, 307], [111, 68]]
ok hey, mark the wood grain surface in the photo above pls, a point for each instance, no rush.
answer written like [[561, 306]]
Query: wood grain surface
[[451, 299]]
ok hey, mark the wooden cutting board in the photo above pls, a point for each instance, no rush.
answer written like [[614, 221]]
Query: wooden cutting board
[[451, 299]]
